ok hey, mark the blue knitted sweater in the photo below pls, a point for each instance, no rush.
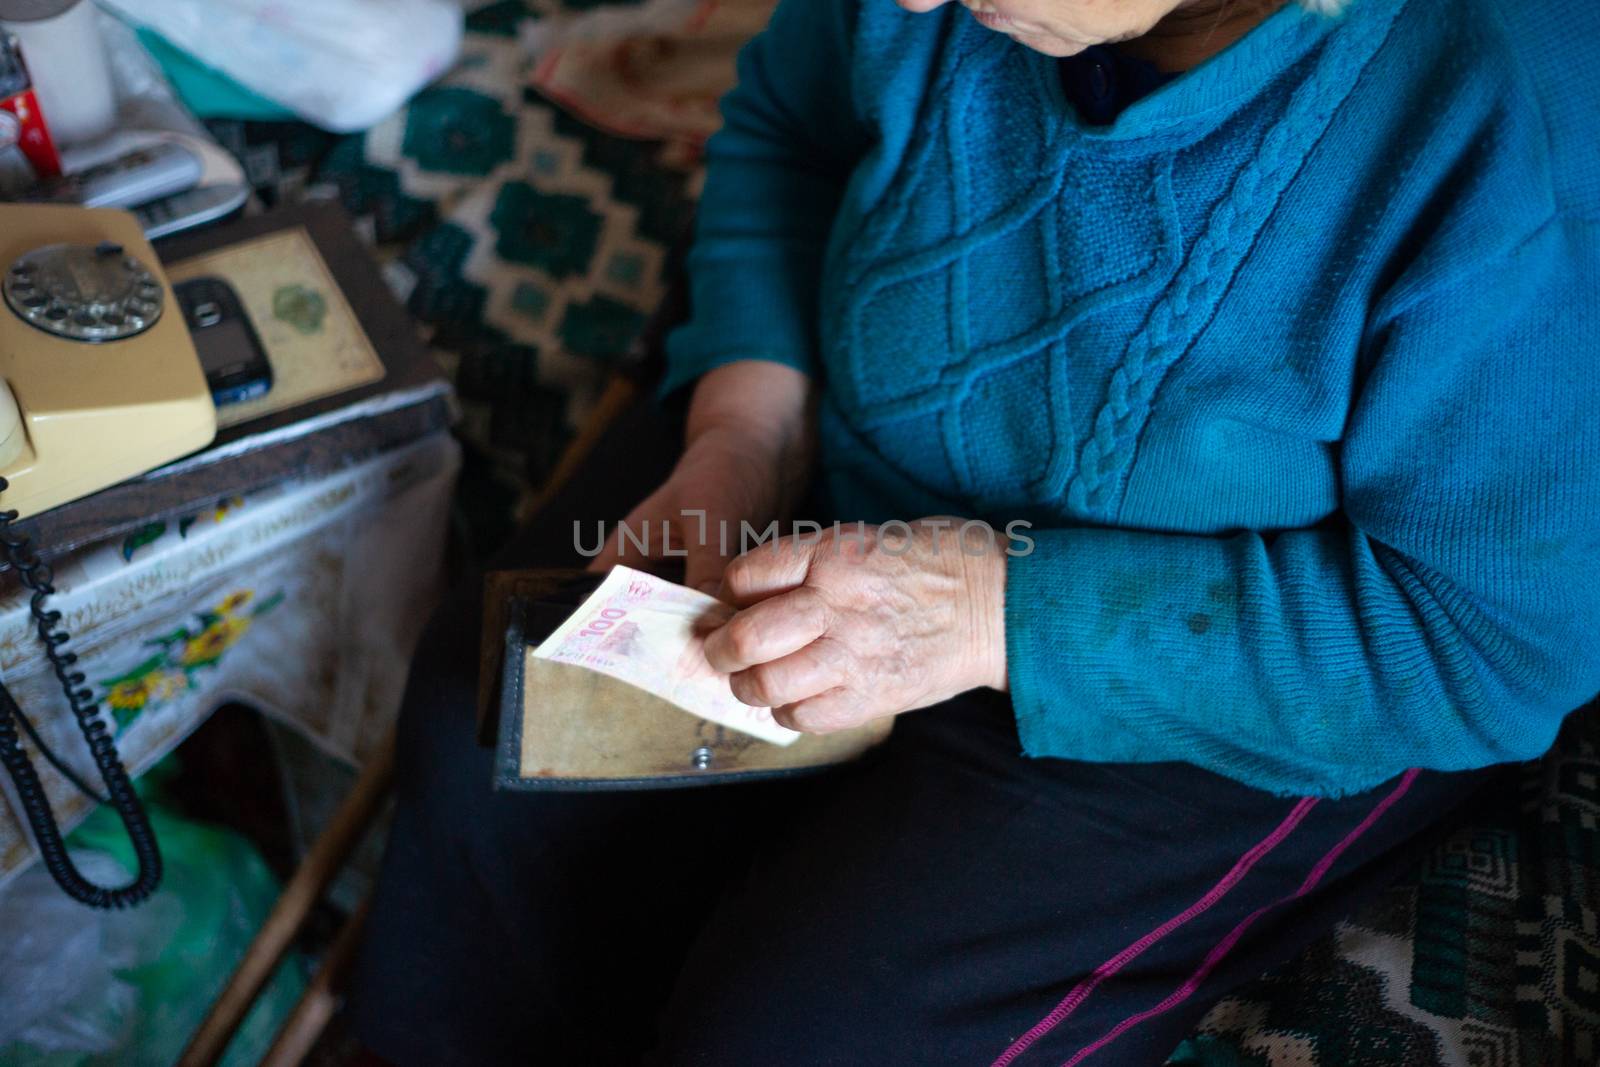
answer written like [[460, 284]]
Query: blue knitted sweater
[[1294, 367]]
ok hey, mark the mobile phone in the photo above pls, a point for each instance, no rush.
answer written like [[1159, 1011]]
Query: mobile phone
[[231, 355]]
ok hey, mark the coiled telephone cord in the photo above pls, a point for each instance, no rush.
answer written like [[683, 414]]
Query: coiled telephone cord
[[39, 578]]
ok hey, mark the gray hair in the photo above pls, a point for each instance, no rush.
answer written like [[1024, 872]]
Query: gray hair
[[1324, 7]]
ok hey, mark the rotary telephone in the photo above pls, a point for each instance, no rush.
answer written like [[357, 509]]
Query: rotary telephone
[[99, 382]]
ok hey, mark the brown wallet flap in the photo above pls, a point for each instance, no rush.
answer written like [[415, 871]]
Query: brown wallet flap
[[500, 588]]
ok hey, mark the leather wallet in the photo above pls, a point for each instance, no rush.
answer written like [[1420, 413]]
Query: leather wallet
[[562, 727]]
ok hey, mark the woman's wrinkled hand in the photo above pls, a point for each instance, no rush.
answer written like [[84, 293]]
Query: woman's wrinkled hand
[[723, 478], [864, 621], [746, 459]]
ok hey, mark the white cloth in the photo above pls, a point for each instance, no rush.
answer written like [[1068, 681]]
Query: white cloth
[[303, 600]]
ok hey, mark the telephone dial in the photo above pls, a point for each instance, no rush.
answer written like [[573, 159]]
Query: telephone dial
[[99, 381]]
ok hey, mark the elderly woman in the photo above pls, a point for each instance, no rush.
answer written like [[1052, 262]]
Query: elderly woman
[[1276, 328]]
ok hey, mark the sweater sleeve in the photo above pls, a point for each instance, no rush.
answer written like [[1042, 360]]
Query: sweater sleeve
[[775, 174], [1448, 618]]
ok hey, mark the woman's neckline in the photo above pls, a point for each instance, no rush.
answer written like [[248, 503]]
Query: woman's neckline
[[1103, 81], [1195, 101]]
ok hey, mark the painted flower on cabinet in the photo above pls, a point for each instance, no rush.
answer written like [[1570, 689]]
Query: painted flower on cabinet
[[170, 670]]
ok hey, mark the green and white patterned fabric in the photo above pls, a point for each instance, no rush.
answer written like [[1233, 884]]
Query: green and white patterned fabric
[[529, 245], [1485, 955]]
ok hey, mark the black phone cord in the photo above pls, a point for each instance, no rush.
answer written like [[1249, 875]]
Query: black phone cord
[[39, 578]]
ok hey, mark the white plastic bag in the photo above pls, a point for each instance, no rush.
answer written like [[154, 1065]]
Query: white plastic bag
[[340, 64], [59, 963]]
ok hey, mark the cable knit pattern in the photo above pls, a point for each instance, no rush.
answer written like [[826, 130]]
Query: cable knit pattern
[[1193, 297], [1292, 367]]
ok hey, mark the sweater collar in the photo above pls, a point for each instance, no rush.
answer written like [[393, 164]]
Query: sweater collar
[[1197, 101]]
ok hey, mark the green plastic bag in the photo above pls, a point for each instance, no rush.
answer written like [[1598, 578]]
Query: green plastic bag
[[131, 987]]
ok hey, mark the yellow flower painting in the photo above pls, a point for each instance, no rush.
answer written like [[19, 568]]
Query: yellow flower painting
[[170, 671], [134, 694], [209, 645]]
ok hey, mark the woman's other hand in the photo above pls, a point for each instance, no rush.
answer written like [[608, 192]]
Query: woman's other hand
[[864, 621], [746, 458]]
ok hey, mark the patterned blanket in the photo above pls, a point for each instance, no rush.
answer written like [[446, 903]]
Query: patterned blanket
[[529, 242], [525, 205], [1486, 955]]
